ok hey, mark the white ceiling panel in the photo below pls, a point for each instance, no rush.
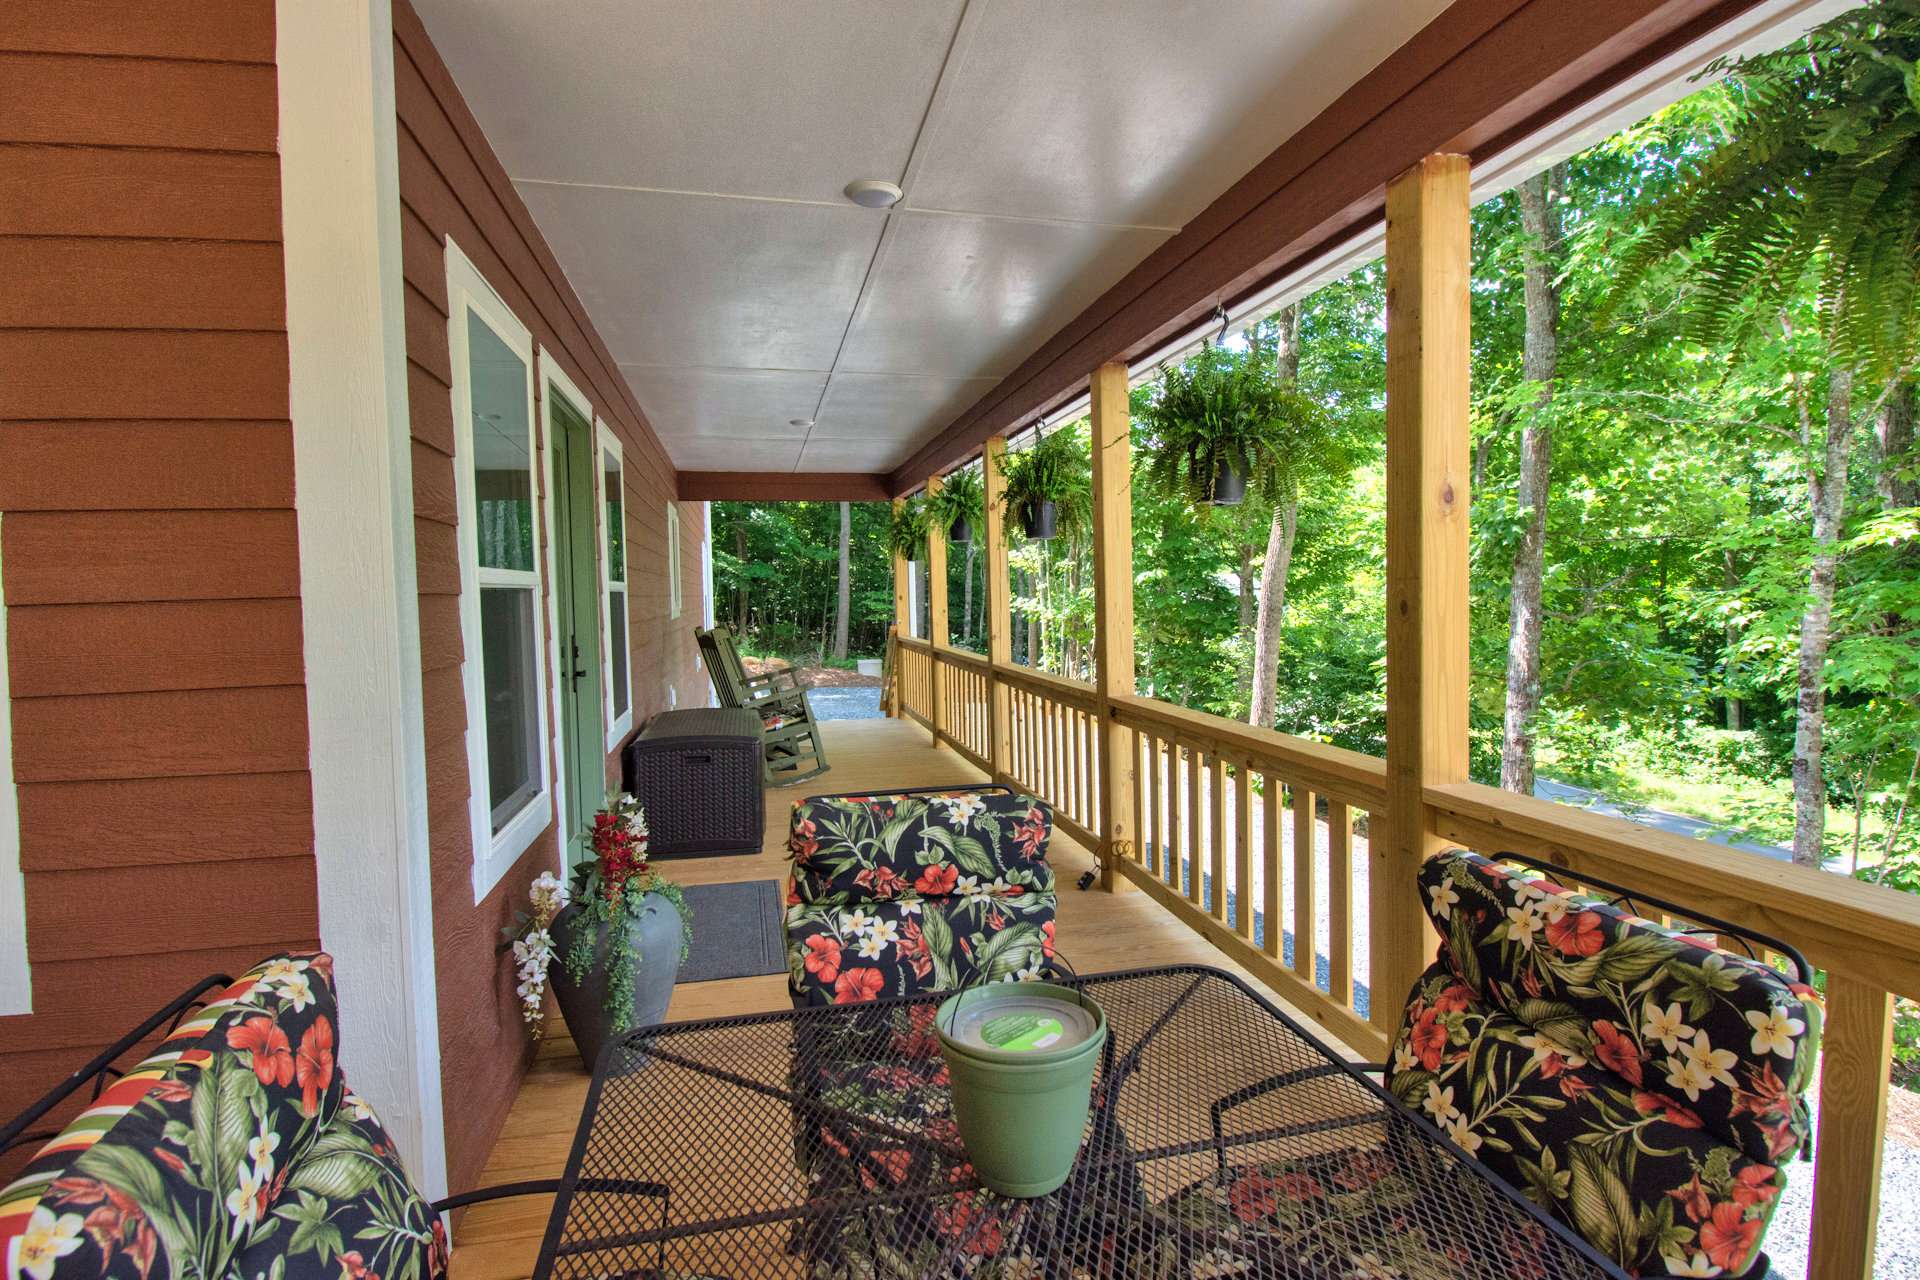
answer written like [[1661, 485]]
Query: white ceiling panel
[[972, 297], [866, 406], [792, 100], [735, 455], [726, 403], [685, 161], [1139, 111], [678, 280]]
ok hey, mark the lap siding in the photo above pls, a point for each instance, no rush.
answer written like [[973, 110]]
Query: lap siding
[[146, 508]]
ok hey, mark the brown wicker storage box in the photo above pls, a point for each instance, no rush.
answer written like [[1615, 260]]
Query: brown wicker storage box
[[697, 772]]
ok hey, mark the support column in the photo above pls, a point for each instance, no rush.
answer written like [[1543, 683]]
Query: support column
[[937, 632], [999, 611], [902, 613], [1113, 614], [1429, 259], [1856, 1053]]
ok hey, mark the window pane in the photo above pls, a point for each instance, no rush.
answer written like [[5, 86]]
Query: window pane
[[616, 528], [617, 647], [510, 684], [502, 469]]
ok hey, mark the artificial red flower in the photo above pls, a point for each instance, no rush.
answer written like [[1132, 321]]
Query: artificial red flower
[[262, 1038], [912, 948], [1046, 939], [937, 881], [1577, 934], [354, 1267], [823, 957], [1429, 1040], [856, 986], [1454, 999], [170, 1091], [1616, 1051], [1571, 1087], [314, 1069], [1300, 1186], [170, 1160], [1728, 1237], [894, 1164], [800, 842]]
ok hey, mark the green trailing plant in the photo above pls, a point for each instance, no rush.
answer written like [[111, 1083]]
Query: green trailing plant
[[1818, 176], [961, 497], [1054, 469], [612, 888], [907, 534], [1229, 407]]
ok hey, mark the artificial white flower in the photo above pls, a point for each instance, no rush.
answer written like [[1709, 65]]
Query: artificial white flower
[[1439, 1103], [1717, 1064], [243, 1202], [261, 1147], [1774, 1031], [961, 809], [1445, 898], [1404, 1058], [885, 930], [872, 945], [356, 1107], [296, 990], [278, 971], [856, 922], [1680, 1265], [1666, 1025], [1522, 924], [1544, 1048], [1462, 1133], [1689, 1076]]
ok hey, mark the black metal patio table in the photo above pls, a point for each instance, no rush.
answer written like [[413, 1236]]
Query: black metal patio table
[[1223, 1141]]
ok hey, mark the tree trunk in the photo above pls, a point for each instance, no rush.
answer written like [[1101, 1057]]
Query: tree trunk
[[1896, 482], [966, 593], [1246, 617], [1827, 491], [740, 593], [1731, 579], [1271, 608], [844, 608], [1540, 359]]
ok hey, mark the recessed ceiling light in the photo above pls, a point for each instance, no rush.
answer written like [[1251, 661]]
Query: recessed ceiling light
[[799, 422], [872, 193]]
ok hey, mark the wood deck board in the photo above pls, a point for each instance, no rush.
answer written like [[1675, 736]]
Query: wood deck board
[[1097, 931]]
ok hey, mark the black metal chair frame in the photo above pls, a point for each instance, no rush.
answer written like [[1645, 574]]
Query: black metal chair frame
[[102, 1072]]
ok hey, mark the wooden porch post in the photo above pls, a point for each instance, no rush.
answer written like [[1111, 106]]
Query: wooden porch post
[[1856, 1056], [999, 614], [1429, 256], [937, 633], [1113, 614], [902, 613]]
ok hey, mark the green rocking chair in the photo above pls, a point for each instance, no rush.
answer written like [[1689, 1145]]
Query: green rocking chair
[[789, 735]]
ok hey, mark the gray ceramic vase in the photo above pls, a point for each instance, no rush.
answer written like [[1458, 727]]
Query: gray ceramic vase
[[651, 943]]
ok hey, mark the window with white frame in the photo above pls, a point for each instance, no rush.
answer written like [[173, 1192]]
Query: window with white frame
[[616, 664], [500, 580], [673, 559]]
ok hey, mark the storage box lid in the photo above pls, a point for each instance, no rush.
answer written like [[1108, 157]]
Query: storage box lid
[[703, 722]]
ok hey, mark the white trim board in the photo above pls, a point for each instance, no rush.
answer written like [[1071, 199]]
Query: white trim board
[[606, 441], [16, 975], [347, 396], [553, 377]]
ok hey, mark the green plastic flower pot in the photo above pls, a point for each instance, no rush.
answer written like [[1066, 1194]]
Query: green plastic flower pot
[[1021, 1057]]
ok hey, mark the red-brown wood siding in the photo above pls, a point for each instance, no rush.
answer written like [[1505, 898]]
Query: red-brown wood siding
[[451, 184], [146, 480]]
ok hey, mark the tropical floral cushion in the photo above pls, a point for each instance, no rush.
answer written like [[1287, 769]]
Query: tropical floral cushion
[[893, 895], [850, 953], [871, 848], [1345, 1212], [1645, 1087], [233, 1149]]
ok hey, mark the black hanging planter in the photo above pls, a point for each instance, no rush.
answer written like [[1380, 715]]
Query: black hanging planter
[[960, 531], [1229, 484], [1039, 519]]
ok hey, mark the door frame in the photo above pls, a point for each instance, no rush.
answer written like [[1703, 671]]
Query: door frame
[[574, 763]]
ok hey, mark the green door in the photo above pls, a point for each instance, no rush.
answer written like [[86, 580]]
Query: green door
[[577, 595]]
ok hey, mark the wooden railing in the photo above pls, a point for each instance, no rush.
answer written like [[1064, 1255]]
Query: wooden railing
[[1246, 834]]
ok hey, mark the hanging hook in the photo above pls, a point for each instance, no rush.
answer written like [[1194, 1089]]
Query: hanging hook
[[1220, 314]]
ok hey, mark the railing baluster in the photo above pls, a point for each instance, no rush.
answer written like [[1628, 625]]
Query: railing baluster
[[1856, 1056], [1243, 847], [1303, 889], [1195, 870], [1273, 943], [1136, 741], [1216, 837], [1340, 903]]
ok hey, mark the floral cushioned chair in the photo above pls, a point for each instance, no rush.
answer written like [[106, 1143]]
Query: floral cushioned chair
[[1642, 1085], [234, 1148], [894, 895]]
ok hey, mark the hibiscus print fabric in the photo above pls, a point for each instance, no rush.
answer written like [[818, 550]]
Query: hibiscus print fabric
[[234, 1149], [898, 894], [1643, 1086]]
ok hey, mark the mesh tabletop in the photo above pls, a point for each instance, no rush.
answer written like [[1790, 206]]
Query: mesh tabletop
[[1223, 1141]]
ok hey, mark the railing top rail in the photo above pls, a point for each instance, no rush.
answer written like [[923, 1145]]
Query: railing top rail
[[910, 642], [1865, 930], [1347, 776], [1075, 692], [964, 658]]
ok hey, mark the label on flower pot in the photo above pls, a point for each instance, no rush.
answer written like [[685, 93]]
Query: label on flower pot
[[1010, 1023]]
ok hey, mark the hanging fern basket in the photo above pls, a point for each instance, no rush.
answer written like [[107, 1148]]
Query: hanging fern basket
[[960, 531], [1040, 519], [1229, 484]]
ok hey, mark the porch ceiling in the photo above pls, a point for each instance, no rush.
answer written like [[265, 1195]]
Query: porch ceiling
[[685, 163]]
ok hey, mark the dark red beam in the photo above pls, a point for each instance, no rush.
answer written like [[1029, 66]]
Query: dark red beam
[[782, 486]]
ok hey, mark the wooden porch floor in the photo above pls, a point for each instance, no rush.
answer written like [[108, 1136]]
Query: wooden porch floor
[[1097, 931]]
